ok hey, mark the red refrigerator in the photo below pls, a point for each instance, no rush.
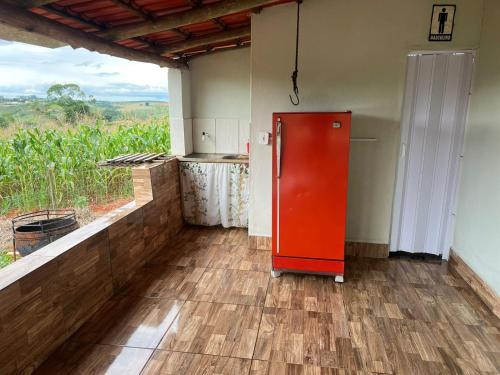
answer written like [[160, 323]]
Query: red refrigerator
[[310, 170]]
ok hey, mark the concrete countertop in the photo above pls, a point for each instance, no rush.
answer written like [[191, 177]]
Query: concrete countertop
[[213, 158]]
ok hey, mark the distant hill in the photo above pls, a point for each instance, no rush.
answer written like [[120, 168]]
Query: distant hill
[[31, 112]]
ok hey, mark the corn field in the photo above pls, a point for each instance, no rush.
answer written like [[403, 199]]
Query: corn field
[[57, 168]]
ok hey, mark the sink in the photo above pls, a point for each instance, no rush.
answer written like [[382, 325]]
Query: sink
[[214, 157], [235, 157]]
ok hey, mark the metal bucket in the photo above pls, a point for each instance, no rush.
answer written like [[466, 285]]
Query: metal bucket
[[37, 229]]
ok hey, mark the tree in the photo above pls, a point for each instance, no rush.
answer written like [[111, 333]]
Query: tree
[[4, 123], [5, 120], [71, 100]]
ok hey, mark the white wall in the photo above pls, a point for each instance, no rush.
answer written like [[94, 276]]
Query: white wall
[[353, 57], [220, 101], [477, 231], [181, 126]]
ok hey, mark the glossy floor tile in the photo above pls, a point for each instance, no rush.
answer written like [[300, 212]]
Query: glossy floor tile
[[174, 363], [280, 368], [207, 305], [75, 358], [232, 286], [306, 292], [213, 328], [300, 337], [187, 254], [240, 257], [162, 281], [130, 321]]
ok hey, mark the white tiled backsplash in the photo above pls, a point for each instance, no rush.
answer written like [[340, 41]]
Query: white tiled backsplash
[[223, 136]]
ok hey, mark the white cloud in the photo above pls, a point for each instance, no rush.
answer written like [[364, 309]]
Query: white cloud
[[26, 69]]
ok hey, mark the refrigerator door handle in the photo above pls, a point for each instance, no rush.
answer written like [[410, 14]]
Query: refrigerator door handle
[[278, 148], [278, 175]]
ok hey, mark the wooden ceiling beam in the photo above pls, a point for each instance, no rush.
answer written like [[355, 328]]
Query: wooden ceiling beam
[[207, 40], [25, 20], [67, 14], [182, 33], [218, 50], [32, 3], [194, 3], [132, 8], [201, 14], [220, 24]]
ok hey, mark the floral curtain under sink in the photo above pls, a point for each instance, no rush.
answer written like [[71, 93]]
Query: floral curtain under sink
[[215, 193]]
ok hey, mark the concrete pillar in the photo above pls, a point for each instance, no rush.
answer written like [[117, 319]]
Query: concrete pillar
[[181, 124]]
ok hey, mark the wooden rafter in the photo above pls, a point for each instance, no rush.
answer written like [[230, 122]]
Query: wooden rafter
[[220, 24], [182, 33], [28, 21], [132, 8], [175, 20], [68, 14], [240, 32], [32, 3], [213, 51], [194, 3]]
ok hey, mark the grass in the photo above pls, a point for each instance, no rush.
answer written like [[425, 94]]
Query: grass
[[5, 258]]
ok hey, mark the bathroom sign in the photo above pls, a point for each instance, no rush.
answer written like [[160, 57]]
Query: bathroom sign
[[442, 22]]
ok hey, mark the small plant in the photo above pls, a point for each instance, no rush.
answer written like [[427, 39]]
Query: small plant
[[5, 258], [80, 202]]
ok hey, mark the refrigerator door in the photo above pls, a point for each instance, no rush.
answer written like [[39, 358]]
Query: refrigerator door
[[310, 169]]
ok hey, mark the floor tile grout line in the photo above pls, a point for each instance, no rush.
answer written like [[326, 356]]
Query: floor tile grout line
[[208, 267], [224, 356], [269, 281], [171, 323], [195, 286], [161, 339]]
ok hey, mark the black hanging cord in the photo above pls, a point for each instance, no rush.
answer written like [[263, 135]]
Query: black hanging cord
[[295, 73]]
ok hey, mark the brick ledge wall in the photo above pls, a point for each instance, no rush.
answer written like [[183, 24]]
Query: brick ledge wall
[[47, 296]]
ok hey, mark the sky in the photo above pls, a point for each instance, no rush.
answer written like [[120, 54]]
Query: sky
[[30, 70]]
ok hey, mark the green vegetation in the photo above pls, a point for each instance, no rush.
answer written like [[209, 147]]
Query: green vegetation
[[5, 258], [48, 157], [57, 168]]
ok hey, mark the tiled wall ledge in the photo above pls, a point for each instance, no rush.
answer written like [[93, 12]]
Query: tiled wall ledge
[[47, 296]]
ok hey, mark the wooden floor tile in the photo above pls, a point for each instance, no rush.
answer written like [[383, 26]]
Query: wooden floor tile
[[161, 281], [130, 321], [300, 337], [280, 368], [232, 286], [216, 329], [213, 236], [75, 358], [240, 257], [306, 292], [175, 363], [207, 305], [187, 254]]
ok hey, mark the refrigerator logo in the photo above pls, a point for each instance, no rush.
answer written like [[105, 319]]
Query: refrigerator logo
[[336, 125]]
